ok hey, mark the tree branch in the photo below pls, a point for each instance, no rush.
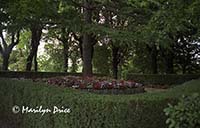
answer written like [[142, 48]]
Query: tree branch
[[1, 50], [3, 40], [58, 38], [79, 39], [13, 43]]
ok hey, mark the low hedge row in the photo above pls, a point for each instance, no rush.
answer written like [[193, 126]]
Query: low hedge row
[[167, 79], [24, 74], [87, 110]]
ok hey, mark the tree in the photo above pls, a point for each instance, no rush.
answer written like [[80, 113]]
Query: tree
[[125, 19], [20, 52], [8, 28], [186, 52], [36, 31], [6, 48], [171, 19], [87, 41], [35, 18]]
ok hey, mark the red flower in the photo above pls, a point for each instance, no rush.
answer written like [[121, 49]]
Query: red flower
[[122, 85], [110, 86], [82, 86], [114, 83], [97, 85]]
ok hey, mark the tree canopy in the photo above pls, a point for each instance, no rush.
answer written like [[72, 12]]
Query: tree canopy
[[102, 36]]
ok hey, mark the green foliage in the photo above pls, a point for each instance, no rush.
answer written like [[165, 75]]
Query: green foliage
[[19, 54], [32, 75], [129, 24], [87, 110], [168, 79], [38, 12], [185, 114], [52, 59], [101, 59]]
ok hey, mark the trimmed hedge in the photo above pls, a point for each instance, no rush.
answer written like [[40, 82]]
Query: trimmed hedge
[[115, 91], [32, 75], [167, 79], [87, 110]]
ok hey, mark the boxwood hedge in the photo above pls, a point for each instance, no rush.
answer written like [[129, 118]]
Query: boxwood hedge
[[32, 75], [164, 79], [87, 110]]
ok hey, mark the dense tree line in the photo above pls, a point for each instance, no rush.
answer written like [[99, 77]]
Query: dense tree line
[[102, 36]]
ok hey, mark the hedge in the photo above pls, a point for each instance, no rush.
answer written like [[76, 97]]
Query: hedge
[[32, 75], [87, 110], [165, 79]]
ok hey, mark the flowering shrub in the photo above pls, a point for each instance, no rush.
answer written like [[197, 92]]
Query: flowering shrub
[[90, 83]]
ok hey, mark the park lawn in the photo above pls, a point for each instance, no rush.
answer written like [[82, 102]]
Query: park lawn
[[89, 110]]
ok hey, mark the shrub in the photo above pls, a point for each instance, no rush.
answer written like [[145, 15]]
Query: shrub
[[186, 114], [32, 75], [87, 110], [167, 79]]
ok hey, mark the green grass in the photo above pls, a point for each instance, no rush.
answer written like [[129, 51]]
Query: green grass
[[88, 109]]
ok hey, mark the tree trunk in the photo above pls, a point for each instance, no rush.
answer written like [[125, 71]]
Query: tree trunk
[[184, 69], [154, 65], [64, 39], [65, 50], [153, 54], [169, 63], [6, 50], [5, 64], [29, 61], [87, 56], [74, 65], [168, 58], [35, 41], [35, 63], [115, 61], [87, 43]]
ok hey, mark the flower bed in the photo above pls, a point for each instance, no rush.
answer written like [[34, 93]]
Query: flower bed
[[116, 91], [96, 85]]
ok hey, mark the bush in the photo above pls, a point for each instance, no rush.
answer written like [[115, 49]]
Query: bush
[[185, 114], [87, 110], [168, 79], [33, 75]]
